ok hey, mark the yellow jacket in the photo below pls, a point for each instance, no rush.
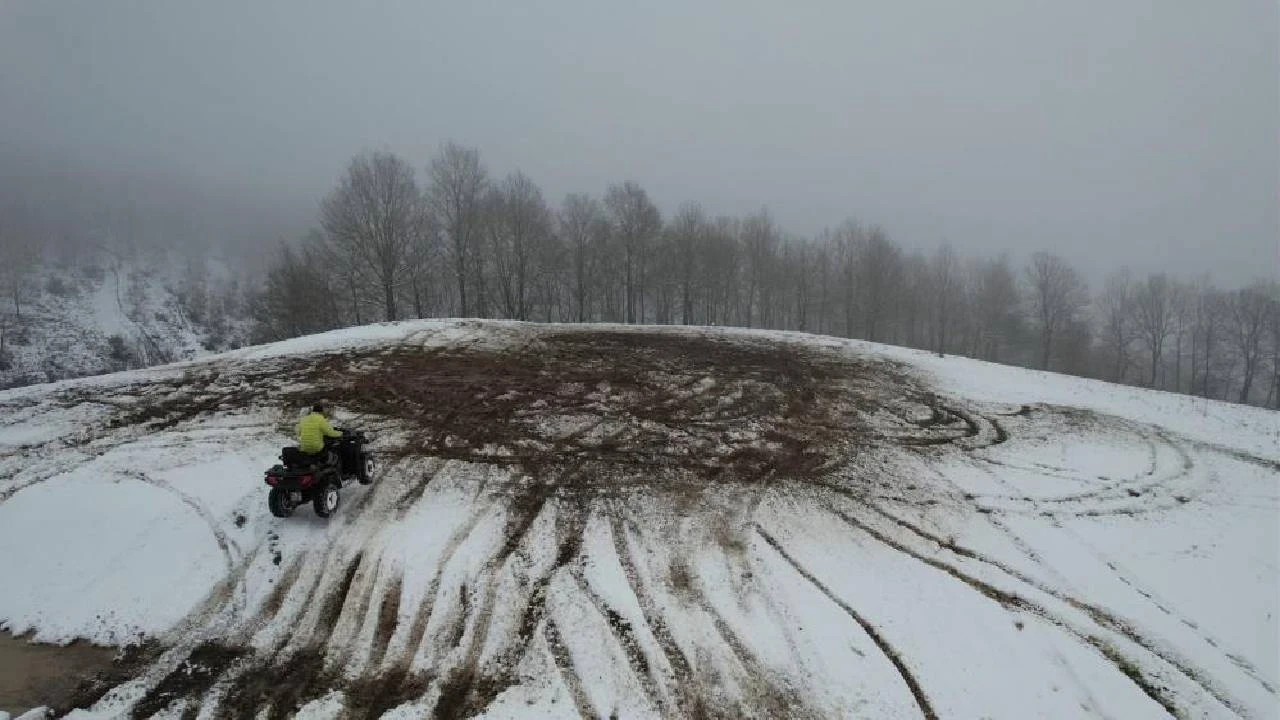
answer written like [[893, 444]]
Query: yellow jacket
[[312, 430]]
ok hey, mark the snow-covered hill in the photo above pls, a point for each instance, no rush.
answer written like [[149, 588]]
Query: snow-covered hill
[[90, 320], [602, 521]]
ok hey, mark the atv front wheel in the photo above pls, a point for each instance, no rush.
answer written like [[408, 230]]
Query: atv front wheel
[[365, 472], [326, 500], [280, 503]]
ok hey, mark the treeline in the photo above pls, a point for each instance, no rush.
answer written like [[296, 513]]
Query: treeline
[[457, 241]]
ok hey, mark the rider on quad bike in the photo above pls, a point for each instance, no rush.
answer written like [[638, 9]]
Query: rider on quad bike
[[313, 428]]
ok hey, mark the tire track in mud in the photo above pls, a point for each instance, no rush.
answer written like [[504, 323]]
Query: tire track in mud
[[765, 694], [652, 615], [564, 664], [908, 678], [417, 491], [334, 603], [626, 637], [418, 626], [769, 697], [387, 620], [1098, 615], [300, 593], [274, 601], [354, 616], [467, 687]]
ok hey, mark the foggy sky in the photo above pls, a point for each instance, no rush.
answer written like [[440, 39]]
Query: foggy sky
[[1135, 132]]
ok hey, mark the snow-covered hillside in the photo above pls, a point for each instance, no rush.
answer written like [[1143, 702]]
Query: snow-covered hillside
[[72, 322], [600, 521]]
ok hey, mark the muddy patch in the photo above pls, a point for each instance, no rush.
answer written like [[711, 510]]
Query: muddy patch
[[32, 675]]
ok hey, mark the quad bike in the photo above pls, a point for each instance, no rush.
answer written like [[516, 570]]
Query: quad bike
[[301, 478]]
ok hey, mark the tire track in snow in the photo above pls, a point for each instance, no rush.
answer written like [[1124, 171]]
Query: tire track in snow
[[316, 569], [652, 615], [1108, 490], [418, 626], [351, 621], [564, 664], [1098, 615], [225, 543], [626, 637], [1131, 497], [1125, 577], [1241, 455], [922, 700], [755, 670], [458, 687]]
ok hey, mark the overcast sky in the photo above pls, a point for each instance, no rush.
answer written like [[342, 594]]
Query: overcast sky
[[1117, 132]]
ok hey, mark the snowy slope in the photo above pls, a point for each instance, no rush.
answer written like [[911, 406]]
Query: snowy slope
[[603, 521], [69, 317]]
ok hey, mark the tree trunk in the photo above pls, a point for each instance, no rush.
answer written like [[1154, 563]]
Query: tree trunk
[[1249, 368], [1177, 364], [1195, 361], [1208, 346], [631, 306], [580, 286], [389, 301], [460, 264], [355, 302]]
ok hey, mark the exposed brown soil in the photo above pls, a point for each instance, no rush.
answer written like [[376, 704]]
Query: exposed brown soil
[[32, 675]]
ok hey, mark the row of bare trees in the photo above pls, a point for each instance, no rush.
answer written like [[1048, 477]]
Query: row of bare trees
[[463, 243]]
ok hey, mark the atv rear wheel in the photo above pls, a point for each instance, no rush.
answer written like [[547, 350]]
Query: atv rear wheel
[[326, 500], [365, 473], [280, 503]]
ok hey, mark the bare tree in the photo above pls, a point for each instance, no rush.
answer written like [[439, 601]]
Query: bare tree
[[879, 276], [458, 185], [1182, 297], [583, 229], [20, 250], [423, 259], [519, 227], [1273, 314], [1206, 320], [945, 293], [1153, 317], [720, 270], [760, 246], [1116, 316], [372, 218], [1248, 310], [1057, 296], [689, 230], [995, 308], [636, 222], [848, 242], [297, 297]]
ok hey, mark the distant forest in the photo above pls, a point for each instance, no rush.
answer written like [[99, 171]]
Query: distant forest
[[457, 241], [391, 243]]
